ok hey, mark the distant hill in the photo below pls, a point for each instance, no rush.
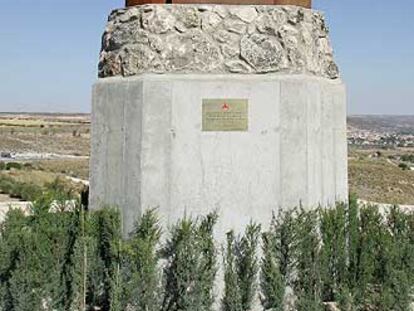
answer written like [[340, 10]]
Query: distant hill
[[383, 123]]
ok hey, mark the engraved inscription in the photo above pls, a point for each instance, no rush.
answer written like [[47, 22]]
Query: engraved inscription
[[225, 114]]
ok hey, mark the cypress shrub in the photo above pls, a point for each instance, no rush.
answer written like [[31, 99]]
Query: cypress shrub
[[241, 268], [191, 265], [334, 269], [308, 285], [247, 264], [108, 238], [272, 282], [355, 257], [397, 258], [278, 261], [353, 239], [79, 262], [140, 260], [232, 300], [370, 268], [33, 258], [14, 234]]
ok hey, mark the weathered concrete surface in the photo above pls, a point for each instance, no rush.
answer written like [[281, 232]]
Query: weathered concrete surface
[[148, 149], [245, 39]]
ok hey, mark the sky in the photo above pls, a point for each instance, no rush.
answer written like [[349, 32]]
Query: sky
[[49, 53]]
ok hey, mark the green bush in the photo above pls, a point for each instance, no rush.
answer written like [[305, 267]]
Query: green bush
[[407, 158], [350, 255], [334, 259], [191, 265], [403, 166], [13, 165], [140, 259], [307, 258], [241, 267], [272, 281]]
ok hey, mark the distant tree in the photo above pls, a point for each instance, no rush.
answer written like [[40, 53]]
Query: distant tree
[[403, 166]]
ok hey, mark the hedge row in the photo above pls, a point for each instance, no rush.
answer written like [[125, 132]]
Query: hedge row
[[351, 255]]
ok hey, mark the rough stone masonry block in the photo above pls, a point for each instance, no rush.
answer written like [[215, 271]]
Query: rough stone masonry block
[[215, 39], [149, 149]]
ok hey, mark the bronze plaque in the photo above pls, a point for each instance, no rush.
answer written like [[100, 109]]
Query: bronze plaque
[[225, 115]]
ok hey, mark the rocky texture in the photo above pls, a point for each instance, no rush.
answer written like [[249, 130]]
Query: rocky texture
[[216, 39]]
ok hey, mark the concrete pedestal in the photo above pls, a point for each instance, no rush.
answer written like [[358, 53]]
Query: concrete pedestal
[[149, 150]]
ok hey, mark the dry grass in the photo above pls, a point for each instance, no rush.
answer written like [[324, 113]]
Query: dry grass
[[42, 179], [31, 176], [380, 180], [74, 168], [64, 134]]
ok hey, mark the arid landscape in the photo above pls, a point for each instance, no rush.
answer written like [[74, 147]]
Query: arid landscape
[[38, 151], [42, 149]]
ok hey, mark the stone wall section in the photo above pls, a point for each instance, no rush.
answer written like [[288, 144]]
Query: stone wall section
[[256, 39]]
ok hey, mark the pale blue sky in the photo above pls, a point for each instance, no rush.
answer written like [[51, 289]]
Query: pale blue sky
[[49, 51]]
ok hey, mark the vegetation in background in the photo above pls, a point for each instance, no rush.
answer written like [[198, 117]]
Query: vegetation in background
[[59, 133], [7, 166], [350, 255], [20, 187], [382, 178], [407, 158], [19, 190]]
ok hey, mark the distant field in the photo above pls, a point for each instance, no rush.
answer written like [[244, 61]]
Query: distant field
[[374, 174], [60, 134]]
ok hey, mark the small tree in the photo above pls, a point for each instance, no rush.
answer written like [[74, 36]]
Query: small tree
[[334, 269], [140, 265], [108, 251], [241, 269], [307, 262], [272, 282], [353, 245], [191, 268], [247, 264]]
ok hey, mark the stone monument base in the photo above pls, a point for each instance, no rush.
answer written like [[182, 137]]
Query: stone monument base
[[149, 149]]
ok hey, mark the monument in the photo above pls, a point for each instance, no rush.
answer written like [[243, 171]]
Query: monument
[[217, 106]]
